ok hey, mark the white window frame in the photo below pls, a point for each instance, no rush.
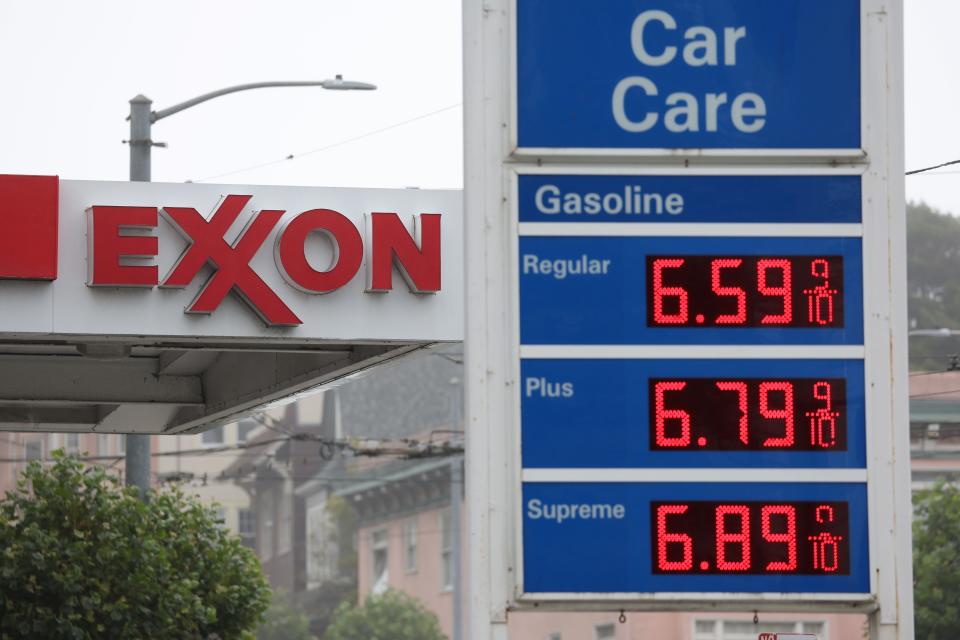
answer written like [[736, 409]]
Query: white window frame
[[379, 541], [447, 531], [721, 633], [410, 548]]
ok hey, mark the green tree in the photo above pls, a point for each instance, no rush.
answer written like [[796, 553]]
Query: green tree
[[284, 621], [391, 616], [933, 262], [82, 557], [936, 562]]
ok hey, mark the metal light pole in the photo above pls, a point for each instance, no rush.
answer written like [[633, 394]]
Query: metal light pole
[[141, 144]]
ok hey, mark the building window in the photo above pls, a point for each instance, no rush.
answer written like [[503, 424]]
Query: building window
[[605, 631], [410, 545], [221, 516], [556, 635], [747, 630], [72, 443], [379, 545], [121, 444], [213, 437], [34, 449], [245, 428], [246, 523], [446, 549], [103, 444], [265, 535], [285, 520]]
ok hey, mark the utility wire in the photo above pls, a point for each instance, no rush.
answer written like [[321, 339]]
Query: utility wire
[[937, 166], [296, 156], [358, 447]]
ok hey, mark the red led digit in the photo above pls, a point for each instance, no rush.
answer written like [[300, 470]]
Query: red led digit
[[741, 390], [785, 414], [663, 414], [700, 537], [741, 296], [664, 538], [826, 548], [820, 297], [788, 537], [741, 536], [784, 291], [660, 292], [823, 421]]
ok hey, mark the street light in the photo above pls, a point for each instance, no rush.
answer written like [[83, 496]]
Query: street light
[[141, 144], [142, 117]]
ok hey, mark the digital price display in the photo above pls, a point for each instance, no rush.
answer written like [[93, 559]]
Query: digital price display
[[751, 537], [687, 536], [665, 290], [730, 414], [745, 291], [693, 412]]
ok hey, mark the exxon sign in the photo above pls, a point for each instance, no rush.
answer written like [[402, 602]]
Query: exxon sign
[[206, 247]]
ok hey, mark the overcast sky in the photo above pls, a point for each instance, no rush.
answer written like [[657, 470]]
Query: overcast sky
[[69, 69]]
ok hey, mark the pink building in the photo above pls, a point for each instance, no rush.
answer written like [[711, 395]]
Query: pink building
[[17, 448]]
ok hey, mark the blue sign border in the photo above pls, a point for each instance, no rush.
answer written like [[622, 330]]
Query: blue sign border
[[612, 308], [606, 424], [614, 556]]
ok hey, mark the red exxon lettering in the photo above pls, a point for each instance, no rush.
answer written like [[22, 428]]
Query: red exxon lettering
[[232, 262]]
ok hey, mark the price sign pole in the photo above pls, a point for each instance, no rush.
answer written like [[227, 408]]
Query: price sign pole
[[686, 340]]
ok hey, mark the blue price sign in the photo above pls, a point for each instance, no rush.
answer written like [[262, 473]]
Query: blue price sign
[[737, 74], [690, 290], [695, 536], [692, 413]]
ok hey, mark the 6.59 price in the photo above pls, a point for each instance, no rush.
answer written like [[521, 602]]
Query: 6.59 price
[[744, 291]]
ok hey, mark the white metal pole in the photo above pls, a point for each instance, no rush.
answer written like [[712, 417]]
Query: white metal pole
[[486, 366]]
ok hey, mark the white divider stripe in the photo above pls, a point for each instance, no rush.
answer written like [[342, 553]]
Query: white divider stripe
[[692, 351], [684, 229], [695, 475]]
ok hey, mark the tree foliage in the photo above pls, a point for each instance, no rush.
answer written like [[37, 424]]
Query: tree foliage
[[933, 260], [936, 562], [83, 557], [390, 616], [284, 621]]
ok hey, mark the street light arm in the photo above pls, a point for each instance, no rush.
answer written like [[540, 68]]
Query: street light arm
[[336, 84]]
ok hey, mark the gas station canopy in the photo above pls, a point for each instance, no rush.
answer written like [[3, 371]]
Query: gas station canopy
[[170, 308]]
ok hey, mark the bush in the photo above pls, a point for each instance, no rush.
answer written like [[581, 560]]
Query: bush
[[391, 616], [83, 557], [936, 562]]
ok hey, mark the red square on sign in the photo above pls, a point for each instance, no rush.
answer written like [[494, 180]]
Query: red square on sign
[[28, 227]]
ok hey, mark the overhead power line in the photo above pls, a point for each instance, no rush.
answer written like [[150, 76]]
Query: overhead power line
[[937, 166], [296, 156]]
